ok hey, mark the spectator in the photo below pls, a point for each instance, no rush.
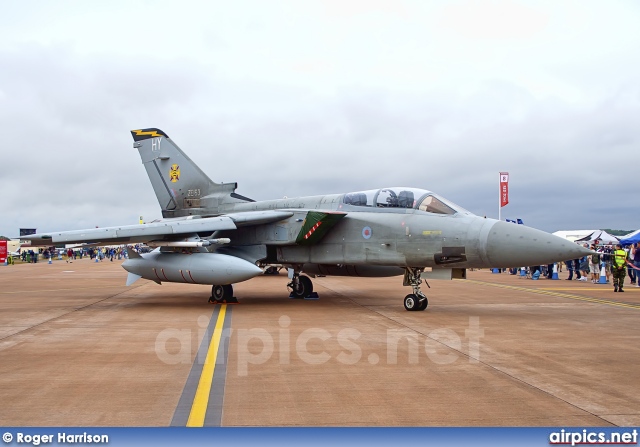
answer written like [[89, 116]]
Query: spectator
[[576, 268], [594, 266], [584, 267], [569, 265], [549, 271], [630, 270], [618, 261], [606, 258], [636, 262]]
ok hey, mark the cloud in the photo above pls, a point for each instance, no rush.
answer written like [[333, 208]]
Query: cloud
[[287, 101], [351, 8], [494, 19]]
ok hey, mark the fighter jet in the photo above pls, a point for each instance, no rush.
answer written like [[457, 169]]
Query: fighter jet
[[209, 234]]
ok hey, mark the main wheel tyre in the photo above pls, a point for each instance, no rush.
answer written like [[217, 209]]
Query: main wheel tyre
[[411, 302], [228, 293], [424, 304], [221, 293], [303, 288]]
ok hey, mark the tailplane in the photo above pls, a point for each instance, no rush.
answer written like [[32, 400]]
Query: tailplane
[[180, 185]]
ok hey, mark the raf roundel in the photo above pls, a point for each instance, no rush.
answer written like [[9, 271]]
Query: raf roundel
[[366, 232]]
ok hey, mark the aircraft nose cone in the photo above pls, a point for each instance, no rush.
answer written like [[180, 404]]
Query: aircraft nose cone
[[129, 265], [511, 245]]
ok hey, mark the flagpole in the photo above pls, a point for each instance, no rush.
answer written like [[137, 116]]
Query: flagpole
[[499, 197]]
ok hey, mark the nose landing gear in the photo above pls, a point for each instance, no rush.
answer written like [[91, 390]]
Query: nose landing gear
[[416, 300]]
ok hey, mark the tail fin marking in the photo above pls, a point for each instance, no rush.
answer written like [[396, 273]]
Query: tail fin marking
[[181, 187]]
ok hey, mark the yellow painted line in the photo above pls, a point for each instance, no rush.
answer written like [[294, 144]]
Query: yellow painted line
[[201, 399], [559, 295], [605, 289]]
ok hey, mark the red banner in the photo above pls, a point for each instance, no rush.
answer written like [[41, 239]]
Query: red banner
[[504, 188], [3, 251]]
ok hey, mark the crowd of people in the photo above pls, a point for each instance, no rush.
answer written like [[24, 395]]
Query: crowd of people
[[616, 262], [71, 254], [29, 256]]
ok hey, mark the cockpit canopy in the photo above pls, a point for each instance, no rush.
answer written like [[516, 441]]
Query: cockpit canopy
[[401, 197]]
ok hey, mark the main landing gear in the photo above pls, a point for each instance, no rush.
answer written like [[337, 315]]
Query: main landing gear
[[222, 294], [300, 286], [416, 300]]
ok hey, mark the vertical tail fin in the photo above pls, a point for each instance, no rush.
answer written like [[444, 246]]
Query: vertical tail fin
[[180, 185]]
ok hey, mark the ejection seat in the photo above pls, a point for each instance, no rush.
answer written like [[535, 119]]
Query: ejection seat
[[356, 199], [405, 199]]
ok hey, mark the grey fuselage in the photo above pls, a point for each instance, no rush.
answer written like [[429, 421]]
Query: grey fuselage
[[398, 237]]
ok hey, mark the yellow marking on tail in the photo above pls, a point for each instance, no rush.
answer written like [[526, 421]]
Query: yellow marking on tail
[[151, 133]]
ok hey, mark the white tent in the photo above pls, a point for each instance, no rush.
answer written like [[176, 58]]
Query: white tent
[[573, 235], [632, 234], [601, 236]]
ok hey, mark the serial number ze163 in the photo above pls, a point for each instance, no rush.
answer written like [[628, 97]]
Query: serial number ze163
[[193, 193]]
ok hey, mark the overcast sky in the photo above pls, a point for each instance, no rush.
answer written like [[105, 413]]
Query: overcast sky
[[293, 98]]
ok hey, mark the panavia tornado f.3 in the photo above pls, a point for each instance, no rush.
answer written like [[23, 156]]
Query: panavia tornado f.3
[[209, 234]]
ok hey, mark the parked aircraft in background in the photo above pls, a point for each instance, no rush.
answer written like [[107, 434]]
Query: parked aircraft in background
[[13, 247]]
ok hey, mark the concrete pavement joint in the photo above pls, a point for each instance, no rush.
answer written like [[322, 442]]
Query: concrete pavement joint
[[464, 354], [70, 312]]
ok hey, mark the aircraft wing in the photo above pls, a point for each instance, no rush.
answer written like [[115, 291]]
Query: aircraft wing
[[156, 230]]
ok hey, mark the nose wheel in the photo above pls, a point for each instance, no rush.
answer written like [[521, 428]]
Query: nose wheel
[[416, 300]]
